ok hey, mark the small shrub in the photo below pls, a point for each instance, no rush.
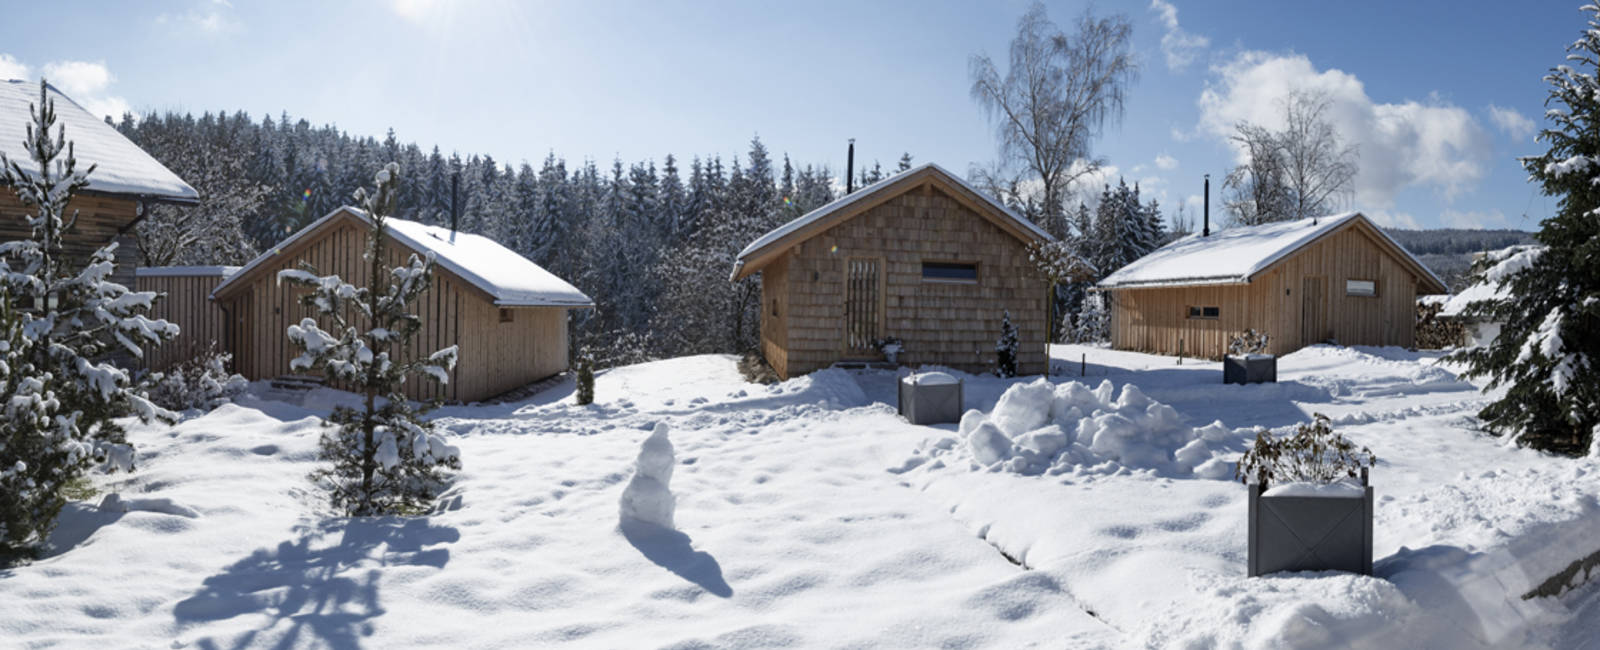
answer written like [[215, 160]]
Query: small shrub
[[1313, 453], [1248, 342], [1434, 333], [199, 383], [890, 347], [1005, 349], [756, 370], [585, 378]]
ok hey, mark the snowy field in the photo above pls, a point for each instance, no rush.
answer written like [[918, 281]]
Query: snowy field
[[809, 515]]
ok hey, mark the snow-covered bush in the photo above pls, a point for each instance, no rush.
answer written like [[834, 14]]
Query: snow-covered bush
[[1314, 453], [890, 347], [61, 319], [1547, 353], [1005, 349], [585, 378], [1248, 342], [202, 382], [385, 457], [648, 498]]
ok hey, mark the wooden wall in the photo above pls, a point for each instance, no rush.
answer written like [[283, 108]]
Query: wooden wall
[[99, 220], [774, 310], [495, 357], [186, 302], [1156, 320], [949, 324]]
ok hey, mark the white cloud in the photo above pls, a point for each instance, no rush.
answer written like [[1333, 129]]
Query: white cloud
[[10, 68], [1088, 186], [1434, 145], [1389, 219], [208, 17], [1166, 163], [1514, 123], [1179, 46], [87, 83], [1474, 219]]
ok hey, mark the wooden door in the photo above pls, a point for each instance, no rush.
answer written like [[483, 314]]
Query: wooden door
[[1313, 310], [863, 306]]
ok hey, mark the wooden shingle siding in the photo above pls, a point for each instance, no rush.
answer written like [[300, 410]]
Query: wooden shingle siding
[[944, 323], [1156, 320]]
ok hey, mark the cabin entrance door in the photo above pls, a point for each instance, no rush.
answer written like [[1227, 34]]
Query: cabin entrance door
[[863, 307], [1313, 309]]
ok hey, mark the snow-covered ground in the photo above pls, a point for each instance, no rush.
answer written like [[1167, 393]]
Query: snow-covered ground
[[807, 514]]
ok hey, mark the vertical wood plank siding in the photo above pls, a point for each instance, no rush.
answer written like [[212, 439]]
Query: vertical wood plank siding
[[494, 357], [185, 302], [946, 323], [1157, 320]]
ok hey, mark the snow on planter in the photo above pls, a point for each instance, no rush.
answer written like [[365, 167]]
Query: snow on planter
[[647, 499], [1041, 427]]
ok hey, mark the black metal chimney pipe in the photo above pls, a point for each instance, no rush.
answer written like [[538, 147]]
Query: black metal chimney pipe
[[1207, 231], [850, 169], [455, 205]]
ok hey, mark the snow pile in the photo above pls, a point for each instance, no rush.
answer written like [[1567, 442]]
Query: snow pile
[[1040, 427], [647, 499]]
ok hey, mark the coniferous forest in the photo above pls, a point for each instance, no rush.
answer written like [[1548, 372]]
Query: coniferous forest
[[651, 241]]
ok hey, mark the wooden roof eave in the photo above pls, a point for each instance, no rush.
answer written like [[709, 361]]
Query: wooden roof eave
[[765, 255], [1424, 276], [246, 277]]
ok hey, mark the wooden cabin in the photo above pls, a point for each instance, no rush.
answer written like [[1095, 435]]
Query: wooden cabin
[[186, 301], [508, 315], [124, 182], [1336, 279], [920, 256]]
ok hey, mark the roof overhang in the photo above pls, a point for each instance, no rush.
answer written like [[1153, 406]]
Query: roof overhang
[[769, 247]]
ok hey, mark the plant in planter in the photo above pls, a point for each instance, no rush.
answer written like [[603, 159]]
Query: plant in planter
[[1310, 504], [890, 347], [1247, 361]]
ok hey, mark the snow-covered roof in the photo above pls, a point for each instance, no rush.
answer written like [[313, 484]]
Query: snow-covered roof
[[511, 279], [861, 195], [121, 167], [184, 271], [1489, 287], [1235, 255]]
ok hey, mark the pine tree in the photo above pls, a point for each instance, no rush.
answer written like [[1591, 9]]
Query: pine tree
[[61, 320], [1006, 348], [1549, 342], [385, 457]]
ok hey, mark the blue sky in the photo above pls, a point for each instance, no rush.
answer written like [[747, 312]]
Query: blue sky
[[1439, 97]]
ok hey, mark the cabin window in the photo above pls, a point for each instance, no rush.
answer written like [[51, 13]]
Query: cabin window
[[1205, 312], [505, 315], [1362, 288], [956, 272]]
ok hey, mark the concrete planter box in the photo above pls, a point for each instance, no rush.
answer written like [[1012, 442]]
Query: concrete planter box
[[931, 398], [1250, 369], [1311, 533]]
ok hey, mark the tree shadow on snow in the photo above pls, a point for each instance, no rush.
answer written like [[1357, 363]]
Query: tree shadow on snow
[[327, 594], [674, 551]]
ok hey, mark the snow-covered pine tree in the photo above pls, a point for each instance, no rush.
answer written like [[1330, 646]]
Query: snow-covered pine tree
[[385, 457], [1006, 348], [1549, 342], [61, 320], [1094, 320]]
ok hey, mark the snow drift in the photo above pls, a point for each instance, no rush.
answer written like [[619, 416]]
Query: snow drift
[[1040, 427]]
